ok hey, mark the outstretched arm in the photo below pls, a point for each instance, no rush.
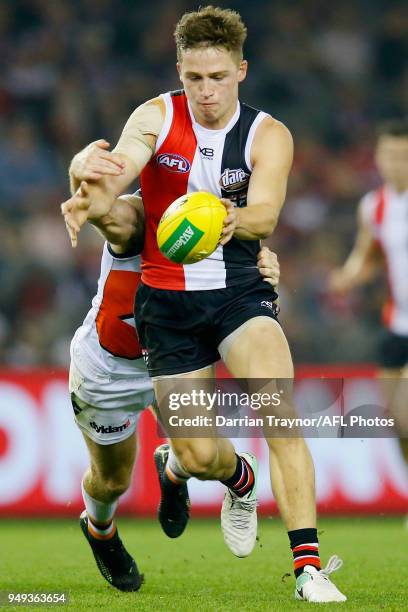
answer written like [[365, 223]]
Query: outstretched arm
[[122, 227], [133, 151], [362, 264]]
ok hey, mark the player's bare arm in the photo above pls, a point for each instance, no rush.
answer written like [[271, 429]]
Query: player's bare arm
[[271, 157], [93, 162], [122, 227], [134, 150], [362, 264]]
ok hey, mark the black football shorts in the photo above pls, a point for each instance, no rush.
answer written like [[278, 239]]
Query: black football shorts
[[393, 350], [181, 330]]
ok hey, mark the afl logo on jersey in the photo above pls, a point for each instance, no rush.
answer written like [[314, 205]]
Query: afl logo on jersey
[[234, 180], [174, 162]]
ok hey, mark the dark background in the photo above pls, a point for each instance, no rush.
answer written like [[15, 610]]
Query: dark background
[[71, 72]]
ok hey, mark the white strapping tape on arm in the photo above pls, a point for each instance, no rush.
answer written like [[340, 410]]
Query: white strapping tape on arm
[[136, 142]]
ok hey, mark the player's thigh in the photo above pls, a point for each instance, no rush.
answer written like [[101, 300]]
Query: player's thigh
[[184, 396], [112, 461], [391, 373], [258, 349], [394, 385], [169, 388], [390, 380]]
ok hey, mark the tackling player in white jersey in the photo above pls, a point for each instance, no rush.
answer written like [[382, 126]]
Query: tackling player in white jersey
[[108, 382], [382, 242]]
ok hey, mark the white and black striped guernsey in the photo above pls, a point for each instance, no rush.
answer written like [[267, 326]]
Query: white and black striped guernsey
[[385, 211], [189, 158]]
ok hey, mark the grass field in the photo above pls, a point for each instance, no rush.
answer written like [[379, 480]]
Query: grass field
[[197, 572]]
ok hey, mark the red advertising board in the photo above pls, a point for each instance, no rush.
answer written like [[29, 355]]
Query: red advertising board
[[43, 456]]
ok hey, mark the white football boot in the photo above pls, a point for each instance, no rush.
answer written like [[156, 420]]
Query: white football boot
[[315, 585], [238, 516]]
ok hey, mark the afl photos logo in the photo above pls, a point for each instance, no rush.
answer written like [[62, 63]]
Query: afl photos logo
[[235, 180], [174, 162]]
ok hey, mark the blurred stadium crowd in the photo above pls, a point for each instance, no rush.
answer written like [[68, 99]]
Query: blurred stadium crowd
[[72, 71]]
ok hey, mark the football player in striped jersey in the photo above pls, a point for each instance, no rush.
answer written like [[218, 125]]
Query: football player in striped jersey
[[382, 244], [204, 138]]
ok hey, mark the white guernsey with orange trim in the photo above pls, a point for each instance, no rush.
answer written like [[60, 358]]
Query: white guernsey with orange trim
[[386, 213], [107, 367]]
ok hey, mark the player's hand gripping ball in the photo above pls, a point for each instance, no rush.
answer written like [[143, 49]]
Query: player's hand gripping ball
[[191, 227]]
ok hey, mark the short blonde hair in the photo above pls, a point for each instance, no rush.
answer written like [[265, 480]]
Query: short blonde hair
[[211, 26]]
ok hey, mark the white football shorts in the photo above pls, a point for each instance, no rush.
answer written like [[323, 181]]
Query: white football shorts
[[107, 407]]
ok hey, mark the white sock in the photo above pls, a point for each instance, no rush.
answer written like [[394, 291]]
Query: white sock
[[101, 534], [174, 470], [97, 511]]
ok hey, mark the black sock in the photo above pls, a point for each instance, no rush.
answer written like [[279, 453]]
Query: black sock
[[242, 480], [305, 548]]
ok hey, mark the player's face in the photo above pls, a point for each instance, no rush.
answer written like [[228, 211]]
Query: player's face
[[392, 160], [210, 77]]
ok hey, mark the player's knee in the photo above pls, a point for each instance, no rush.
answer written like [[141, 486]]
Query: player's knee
[[116, 488], [116, 484], [199, 459]]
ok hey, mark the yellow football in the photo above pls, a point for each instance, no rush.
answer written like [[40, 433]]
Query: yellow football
[[191, 227]]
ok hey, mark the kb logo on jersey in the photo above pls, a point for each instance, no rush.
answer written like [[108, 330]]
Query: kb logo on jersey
[[174, 162], [206, 152], [235, 180]]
